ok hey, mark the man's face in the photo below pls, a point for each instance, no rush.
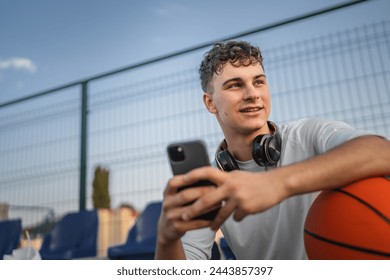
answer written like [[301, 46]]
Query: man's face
[[240, 99]]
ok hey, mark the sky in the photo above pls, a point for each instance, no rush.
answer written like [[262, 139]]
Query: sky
[[48, 43]]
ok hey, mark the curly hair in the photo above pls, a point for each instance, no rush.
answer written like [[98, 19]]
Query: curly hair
[[238, 53]]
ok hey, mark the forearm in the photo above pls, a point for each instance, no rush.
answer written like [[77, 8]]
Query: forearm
[[363, 157], [170, 251], [171, 226]]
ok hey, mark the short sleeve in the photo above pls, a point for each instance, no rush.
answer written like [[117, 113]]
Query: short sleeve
[[320, 135], [197, 244]]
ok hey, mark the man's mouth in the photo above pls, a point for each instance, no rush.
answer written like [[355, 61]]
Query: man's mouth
[[250, 109]]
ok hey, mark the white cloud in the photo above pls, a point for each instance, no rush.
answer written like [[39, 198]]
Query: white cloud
[[18, 63]]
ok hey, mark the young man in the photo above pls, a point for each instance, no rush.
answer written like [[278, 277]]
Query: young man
[[300, 159]]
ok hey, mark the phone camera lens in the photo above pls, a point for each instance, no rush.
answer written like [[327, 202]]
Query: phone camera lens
[[177, 153]]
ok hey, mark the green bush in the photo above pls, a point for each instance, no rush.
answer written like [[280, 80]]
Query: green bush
[[101, 195]]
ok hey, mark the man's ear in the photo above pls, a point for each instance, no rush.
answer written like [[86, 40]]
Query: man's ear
[[209, 102]]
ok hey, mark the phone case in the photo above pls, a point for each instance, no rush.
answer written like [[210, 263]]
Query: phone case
[[185, 156], [195, 156]]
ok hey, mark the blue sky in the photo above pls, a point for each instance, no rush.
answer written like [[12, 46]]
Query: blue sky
[[47, 43]]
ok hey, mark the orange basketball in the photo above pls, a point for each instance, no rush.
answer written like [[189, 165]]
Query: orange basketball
[[351, 223]]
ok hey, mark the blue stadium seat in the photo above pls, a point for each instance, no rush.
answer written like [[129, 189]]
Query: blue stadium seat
[[226, 250], [10, 232], [215, 254], [141, 241], [75, 236]]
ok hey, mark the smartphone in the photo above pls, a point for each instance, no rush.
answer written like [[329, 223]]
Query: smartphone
[[185, 156]]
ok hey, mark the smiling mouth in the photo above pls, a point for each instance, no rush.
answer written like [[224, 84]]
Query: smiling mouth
[[249, 110]]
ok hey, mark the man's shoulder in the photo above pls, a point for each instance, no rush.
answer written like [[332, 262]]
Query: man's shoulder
[[303, 123], [310, 125], [299, 125]]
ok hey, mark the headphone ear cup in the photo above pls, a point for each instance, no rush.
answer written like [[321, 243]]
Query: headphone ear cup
[[257, 150], [273, 148], [266, 149], [225, 161]]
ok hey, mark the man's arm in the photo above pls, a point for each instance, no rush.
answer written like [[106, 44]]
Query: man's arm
[[247, 193], [169, 250], [359, 158], [171, 227]]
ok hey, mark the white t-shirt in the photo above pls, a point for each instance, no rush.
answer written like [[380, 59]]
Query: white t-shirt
[[276, 233]]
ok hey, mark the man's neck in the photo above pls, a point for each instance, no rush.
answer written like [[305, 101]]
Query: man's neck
[[241, 149]]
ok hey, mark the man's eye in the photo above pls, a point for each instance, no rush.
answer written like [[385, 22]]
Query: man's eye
[[260, 82], [235, 85]]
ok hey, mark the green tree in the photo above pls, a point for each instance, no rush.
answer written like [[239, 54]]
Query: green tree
[[101, 196]]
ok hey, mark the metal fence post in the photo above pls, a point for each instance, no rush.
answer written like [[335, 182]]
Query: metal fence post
[[83, 145]]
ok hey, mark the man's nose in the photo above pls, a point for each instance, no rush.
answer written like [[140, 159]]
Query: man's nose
[[251, 93]]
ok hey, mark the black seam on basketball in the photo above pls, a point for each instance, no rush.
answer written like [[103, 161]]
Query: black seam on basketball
[[376, 211], [345, 245]]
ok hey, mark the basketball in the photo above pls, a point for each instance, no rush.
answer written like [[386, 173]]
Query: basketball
[[350, 223]]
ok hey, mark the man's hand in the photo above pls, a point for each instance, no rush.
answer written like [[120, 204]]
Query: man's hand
[[171, 224], [242, 193]]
